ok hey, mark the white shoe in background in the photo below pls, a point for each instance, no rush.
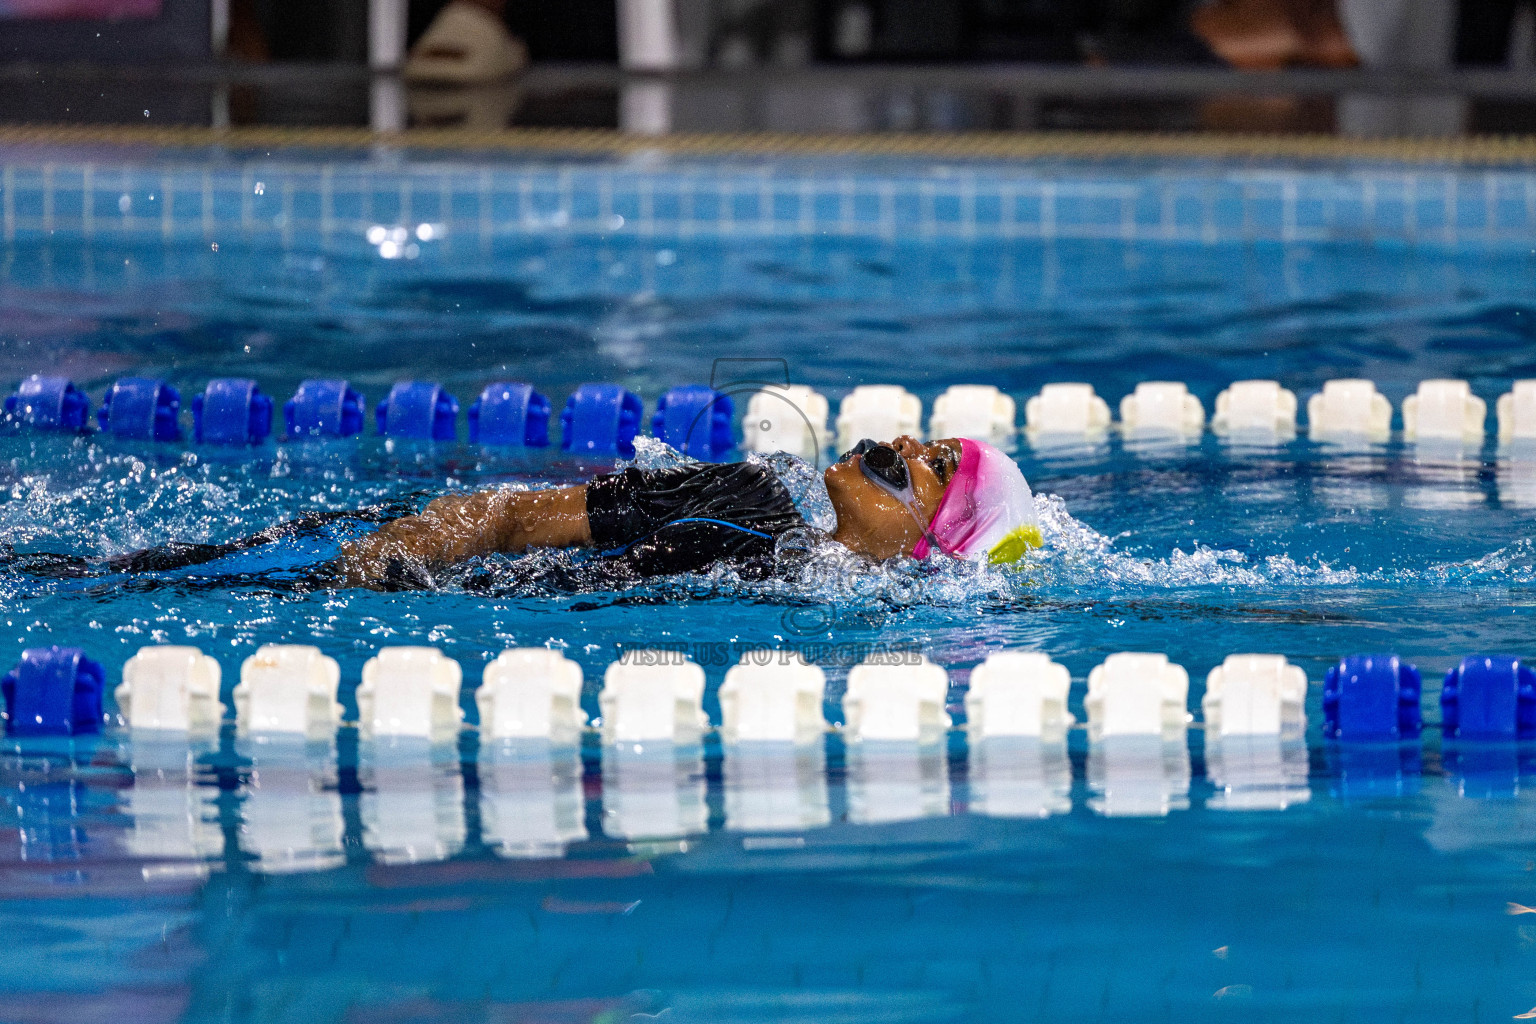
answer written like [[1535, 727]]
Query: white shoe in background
[[465, 45]]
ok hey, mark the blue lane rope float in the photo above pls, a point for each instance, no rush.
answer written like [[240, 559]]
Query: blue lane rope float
[[49, 403], [1372, 697], [141, 408], [1489, 697], [418, 410], [324, 408], [510, 413], [53, 691], [231, 410], [601, 419], [696, 420]]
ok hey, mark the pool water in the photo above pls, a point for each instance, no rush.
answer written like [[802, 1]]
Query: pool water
[[231, 880]]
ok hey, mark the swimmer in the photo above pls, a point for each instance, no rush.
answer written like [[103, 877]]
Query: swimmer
[[961, 498], [951, 498]]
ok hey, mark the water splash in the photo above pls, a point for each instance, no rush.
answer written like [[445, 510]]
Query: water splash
[[1077, 555], [803, 481]]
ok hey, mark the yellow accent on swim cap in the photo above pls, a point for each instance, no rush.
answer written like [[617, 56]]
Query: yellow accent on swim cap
[[1016, 544]]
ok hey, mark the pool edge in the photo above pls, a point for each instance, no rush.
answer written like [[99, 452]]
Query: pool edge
[[1472, 150]]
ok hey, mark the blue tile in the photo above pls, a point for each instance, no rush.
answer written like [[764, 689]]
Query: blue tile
[[186, 189], [506, 209], [1428, 187], [186, 210], [1511, 215], [1391, 217], [582, 178], [1028, 209], [1349, 214], [1389, 212], [426, 207], [268, 207], [1311, 213], [667, 207], [543, 203], [27, 202], [745, 207], [140, 182], [827, 208], [1430, 215], [1510, 212], [464, 208], [988, 209], [23, 177], [306, 207], [866, 206], [786, 206], [947, 208], [226, 204], [1471, 206], [1098, 213], [150, 205], [909, 210], [1147, 210], [585, 205], [1471, 216], [66, 178], [1229, 210], [345, 206], [708, 204], [106, 203], [1188, 212], [627, 204], [383, 206], [68, 207]]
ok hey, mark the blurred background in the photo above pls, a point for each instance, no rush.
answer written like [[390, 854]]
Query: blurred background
[[1382, 68]]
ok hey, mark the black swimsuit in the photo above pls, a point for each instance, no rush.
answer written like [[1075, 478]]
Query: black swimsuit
[[644, 523], [663, 521]]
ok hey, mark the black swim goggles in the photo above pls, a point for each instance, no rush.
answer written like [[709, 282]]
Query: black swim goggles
[[887, 469]]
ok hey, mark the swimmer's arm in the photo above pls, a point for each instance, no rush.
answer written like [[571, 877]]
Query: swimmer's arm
[[459, 526]]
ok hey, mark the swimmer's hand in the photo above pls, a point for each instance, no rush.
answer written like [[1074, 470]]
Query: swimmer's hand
[[409, 551]]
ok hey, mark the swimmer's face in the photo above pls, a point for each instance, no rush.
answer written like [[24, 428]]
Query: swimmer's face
[[873, 522]]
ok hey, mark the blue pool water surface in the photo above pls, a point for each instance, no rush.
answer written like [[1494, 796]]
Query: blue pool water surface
[[228, 880]]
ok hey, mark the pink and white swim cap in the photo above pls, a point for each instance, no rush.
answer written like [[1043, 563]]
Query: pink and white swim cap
[[987, 513]]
